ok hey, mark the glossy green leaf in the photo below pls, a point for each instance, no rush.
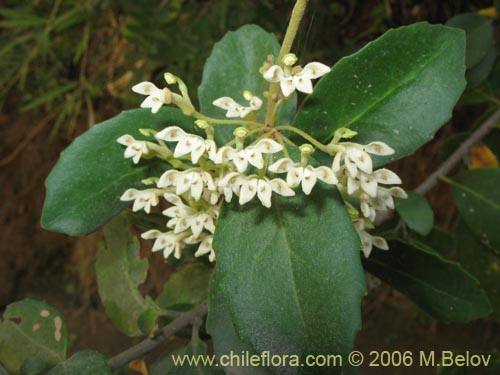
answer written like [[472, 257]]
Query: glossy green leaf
[[478, 33], [83, 363], [398, 89], [220, 326], [480, 261], [186, 287], [232, 68], [29, 329], [119, 271], [291, 275], [416, 213], [84, 188], [477, 197], [439, 287]]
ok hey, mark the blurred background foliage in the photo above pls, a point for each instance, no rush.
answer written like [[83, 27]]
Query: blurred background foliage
[[74, 60]]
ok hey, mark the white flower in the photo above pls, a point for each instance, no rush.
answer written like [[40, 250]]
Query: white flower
[[250, 155], [192, 180], [237, 110], [263, 188], [155, 96], [300, 81], [169, 242], [229, 184], [356, 156], [206, 248], [196, 222], [187, 143], [307, 176], [367, 240], [143, 199], [135, 149], [381, 202]]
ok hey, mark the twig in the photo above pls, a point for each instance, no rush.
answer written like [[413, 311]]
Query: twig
[[450, 163], [459, 153], [144, 347]]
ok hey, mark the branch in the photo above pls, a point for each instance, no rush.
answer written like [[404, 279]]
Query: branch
[[455, 158], [151, 343], [450, 163]]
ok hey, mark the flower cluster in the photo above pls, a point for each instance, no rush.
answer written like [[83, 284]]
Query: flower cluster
[[255, 165]]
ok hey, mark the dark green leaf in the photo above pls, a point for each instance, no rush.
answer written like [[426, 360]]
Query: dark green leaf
[[83, 363], [33, 366], [398, 89], [31, 329], [84, 188], [220, 326], [477, 74], [119, 271], [477, 197], [451, 144], [437, 240], [416, 213], [291, 275], [439, 287], [186, 288], [233, 68], [478, 34], [481, 262]]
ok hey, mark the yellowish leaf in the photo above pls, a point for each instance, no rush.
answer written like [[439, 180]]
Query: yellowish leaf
[[489, 12], [481, 156], [139, 365]]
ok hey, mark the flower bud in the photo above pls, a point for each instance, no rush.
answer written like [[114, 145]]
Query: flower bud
[[289, 59]]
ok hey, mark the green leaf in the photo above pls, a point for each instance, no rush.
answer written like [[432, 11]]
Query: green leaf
[[478, 74], [398, 89], [120, 270], [477, 197], [478, 34], [291, 274], [481, 262], [439, 287], [29, 329], [84, 188], [232, 68], [186, 288], [83, 363], [437, 240], [33, 366], [416, 213], [196, 349], [220, 326]]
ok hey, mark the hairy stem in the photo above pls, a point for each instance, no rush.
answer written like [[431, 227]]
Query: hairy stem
[[297, 14]]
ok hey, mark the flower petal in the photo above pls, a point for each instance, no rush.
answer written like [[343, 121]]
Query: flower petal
[[378, 148], [273, 74], [314, 70]]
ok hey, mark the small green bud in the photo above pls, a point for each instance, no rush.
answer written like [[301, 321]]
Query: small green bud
[[306, 149], [148, 132], [240, 132], [202, 124], [345, 133], [150, 181], [170, 78], [247, 95], [289, 59]]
